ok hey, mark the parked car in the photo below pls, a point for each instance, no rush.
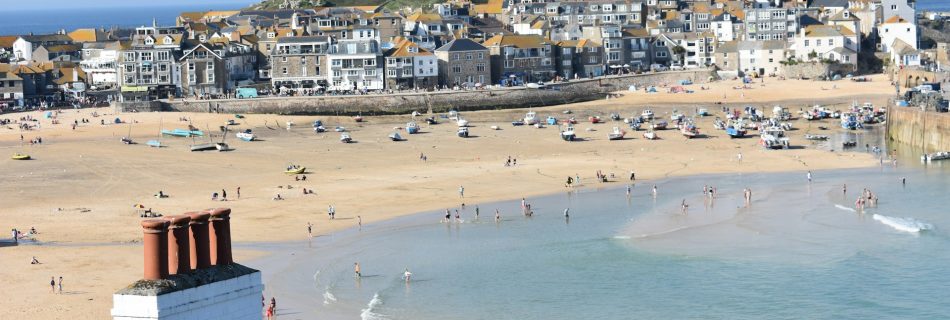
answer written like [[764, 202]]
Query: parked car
[[658, 67], [676, 67]]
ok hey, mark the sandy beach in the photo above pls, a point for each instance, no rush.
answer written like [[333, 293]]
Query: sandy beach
[[80, 189]]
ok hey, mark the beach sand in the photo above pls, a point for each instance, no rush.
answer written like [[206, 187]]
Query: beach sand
[[80, 190]]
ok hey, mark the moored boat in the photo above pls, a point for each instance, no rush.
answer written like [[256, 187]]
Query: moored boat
[[689, 131], [412, 128], [531, 118], [345, 138], [816, 137], [246, 135], [395, 136], [650, 135], [568, 134], [944, 155], [594, 119], [616, 134], [295, 170], [660, 125], [462, 132], [20, 156]]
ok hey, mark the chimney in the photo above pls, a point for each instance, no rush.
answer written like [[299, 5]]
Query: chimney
[[200, 256], [155, 246], [179, 248], [220, 239]]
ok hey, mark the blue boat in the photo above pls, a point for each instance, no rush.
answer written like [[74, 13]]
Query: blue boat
[[734, 132], [182, 133], [552, 121], [412, 128], [154, 143], [246, 135]]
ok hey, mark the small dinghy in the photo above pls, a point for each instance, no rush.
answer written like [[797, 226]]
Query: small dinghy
[[395, 136], [345, 138]]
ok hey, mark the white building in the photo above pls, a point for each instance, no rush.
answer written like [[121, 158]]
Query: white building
[[409, 67], [100, 62], [895, 28], [355, 66], [723, 27], [761, 57], [819, 42], [901, 8]]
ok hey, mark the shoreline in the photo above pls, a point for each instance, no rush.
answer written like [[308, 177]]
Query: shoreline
[[374, 178]]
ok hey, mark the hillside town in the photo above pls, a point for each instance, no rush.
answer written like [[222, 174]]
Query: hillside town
[[460, 45]]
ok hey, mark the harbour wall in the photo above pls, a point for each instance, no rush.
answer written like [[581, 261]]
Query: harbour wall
[[927, 130], [438, 101]]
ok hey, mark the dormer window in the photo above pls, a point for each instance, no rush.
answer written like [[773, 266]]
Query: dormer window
[[271, 35], [168, 40], [202, 38], [149, 41], [413, 49]]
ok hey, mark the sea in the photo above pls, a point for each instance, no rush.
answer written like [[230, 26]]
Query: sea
[[16, 22], [798, 250]]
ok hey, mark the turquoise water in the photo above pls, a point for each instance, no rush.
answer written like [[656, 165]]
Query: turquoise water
[[798, 251]]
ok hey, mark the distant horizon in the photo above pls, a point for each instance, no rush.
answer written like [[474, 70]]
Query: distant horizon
[[54, 5]]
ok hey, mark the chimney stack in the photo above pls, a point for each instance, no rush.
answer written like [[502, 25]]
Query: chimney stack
[[200, 254], [179, 248], [220, 239], [155, 245]]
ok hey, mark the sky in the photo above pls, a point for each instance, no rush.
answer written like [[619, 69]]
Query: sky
[[17, 5]]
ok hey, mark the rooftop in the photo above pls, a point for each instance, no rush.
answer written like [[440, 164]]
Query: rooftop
[[180, 282]]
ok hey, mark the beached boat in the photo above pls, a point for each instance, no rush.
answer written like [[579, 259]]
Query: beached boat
[[719, 124], [339, 129], [615, 116], [358, 118], [774, 138], [461, 122], [221, 146], [183, 133], [551, 121], [517, 123], [849, 144], [154, 144], [530, 118], [944, 155], [203, 147], [594, 119], [431, 121], [412, 128], [317, 123], [659, 125], [127, 140], [345, 138], [395, 136], [647, 115], [702, 112], [20, 156], [319, 129], [635, 125], [570, 120], [616, 134], [231, 122], [850, 121], [676, 117], [246, 135], [295, 170], [568, 134], [816, 137], [689, 131], [462, 132], [735, 131], [453, 115], [650, 135]]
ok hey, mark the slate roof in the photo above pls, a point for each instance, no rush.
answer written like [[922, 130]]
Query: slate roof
[[461, 45]]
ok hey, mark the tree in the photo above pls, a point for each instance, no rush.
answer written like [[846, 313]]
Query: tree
[[680, 51]]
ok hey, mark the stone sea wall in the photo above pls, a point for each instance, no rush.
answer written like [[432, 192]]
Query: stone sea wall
[[922, 129], [401, 103]]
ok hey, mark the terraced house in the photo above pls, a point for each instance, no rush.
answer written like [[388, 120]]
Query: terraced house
[[518, 59], [214, 68], [409, 66], [464, 63], [300, 63], [148, 63], [355, 66]]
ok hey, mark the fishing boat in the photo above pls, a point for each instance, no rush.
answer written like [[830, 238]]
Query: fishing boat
[[735, 131], [290, 124], [127, 140], [689, 131], [702, 112], [246, 135], [647, 115], [231, 122], [203, 147], [594, 119], [530, 118], [517, 123], [570, 120], [339, 129], [650, 135], [850, 121], [774, 138], [462, 132], [412, 128], [659, 125], [295, 170], [461, 122], [719, 124], [319, 129], [20, 156], [317, 123], [358, 118], [944, 155], [431, 121], [395, 136], [616, 134], [635, 126], [551, 121], [615, 116], [816, 137], [568, 133], [676, 116], [849, 144], [453, 115], [221, 146], [345, 138]]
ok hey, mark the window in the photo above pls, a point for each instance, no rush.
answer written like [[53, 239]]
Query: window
[[509, 64], [831, 42], [660, 43], [806, 42], [390, 61], [592, 59], [591, 49], [893, 7], [149, 41], [352, 72], [771, 60], [191, 78], [129, 80], [129, 68], [146, 68], [367, 83], [566, 51], [209, 76], [163, 56], [163, 67], [337, 73], [455, 56], [163, 78], [283, 59], [369, 62], [468, 56], [818, 42], [370, 72], [661, 54], [209, 66], [391, 72], [191, 66], [130, 56], [480, 67], [456, 68], [283, 70]]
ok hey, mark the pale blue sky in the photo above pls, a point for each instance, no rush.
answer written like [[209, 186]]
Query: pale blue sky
[[91, 4]]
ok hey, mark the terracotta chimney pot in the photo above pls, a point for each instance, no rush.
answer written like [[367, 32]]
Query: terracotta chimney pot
[[220, 236], [199, 248], [179, 244], [155, 247]]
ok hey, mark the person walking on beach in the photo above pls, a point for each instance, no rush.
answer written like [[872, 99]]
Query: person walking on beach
[[239, 192], [359, 222], [577, 179], [224, 195], [331, 211], [52, 284], [309, 230], [356, 270], [461, 192], [739, 157], [60, 284]]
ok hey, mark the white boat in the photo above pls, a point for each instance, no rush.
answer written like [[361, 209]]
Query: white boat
[[453, 115], [816, 137], [462, 122], [689, 131], [531, 118], [660, 125], [345, 138], [462, 132], [290, 124], [246, 135], [774, 138], [568, 134], [395, 136], [935, 156], [647, 115], [203, 147], [650, 135], [616, 134], [221, 146]]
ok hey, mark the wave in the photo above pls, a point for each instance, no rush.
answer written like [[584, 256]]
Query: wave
[[845, 208], [622, 237], [368, 314], [903, 224], [328, 296]]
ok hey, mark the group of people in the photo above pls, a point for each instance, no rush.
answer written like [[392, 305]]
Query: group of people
[[269, 309], [866, 199], [602, 177], [511, 161]]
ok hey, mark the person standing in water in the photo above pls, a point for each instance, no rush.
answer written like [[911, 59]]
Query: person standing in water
[[628, 190], [809, 175], [359, 221], [844, 189], [476, 212], [497, 216], [567, 212], [407, 275], [356, 270], [654, 191], [309, 230]]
